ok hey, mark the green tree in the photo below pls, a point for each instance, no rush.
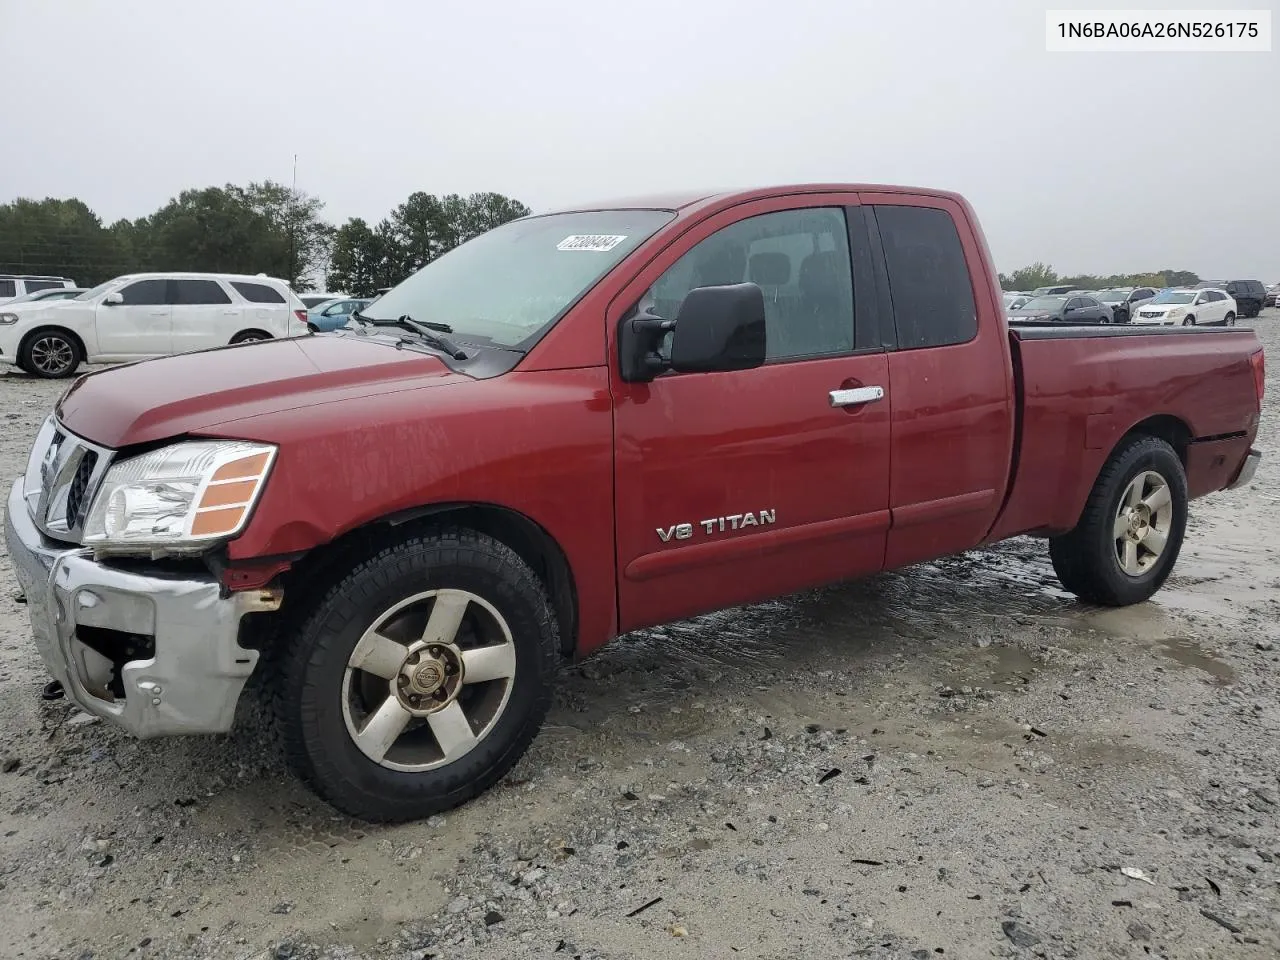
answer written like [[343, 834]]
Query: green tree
[[1028, 278], [259, 228], [57, 237], [1180, 278], [427, 226]]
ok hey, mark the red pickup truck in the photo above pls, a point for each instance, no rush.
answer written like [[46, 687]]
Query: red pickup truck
[[584, 423]]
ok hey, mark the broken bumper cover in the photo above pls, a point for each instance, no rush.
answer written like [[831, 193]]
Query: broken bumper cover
[[192, 682], [1247, 469]]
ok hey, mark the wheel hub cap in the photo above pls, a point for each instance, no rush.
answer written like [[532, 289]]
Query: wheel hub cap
[[430, 678]]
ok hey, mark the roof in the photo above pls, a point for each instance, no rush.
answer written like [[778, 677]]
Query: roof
[[197, 275], [679, 201]]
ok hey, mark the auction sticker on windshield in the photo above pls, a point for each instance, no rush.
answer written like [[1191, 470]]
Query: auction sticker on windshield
[[593, 242]]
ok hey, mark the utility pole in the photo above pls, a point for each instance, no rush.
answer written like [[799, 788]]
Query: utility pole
[[293, 221]]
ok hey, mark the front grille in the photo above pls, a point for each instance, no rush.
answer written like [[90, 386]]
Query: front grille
[[79, 487], [62, 477]]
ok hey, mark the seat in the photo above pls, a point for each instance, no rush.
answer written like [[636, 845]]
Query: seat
[[822, 322]]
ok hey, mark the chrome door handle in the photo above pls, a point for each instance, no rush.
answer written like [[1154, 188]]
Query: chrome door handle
[[856, 396]]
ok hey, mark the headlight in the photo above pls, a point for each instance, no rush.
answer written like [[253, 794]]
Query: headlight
[[179, 499], [7, 318], [1176, 312]]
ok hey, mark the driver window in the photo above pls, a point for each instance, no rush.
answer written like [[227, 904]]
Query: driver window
[[145, 293], [800, 261]]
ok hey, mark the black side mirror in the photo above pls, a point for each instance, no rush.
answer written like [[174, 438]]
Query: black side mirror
[[718, 328]]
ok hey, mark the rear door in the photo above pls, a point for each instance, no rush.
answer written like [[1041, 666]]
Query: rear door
[[1095, 310], [950, 378], [138, 326], [736, 486], [204, 314]]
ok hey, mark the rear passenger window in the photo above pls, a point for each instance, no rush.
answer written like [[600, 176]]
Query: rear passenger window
[[929, 281], [194, 292], [145, 293], [34, 285], [257, 292], [798, 258], [8, 288]]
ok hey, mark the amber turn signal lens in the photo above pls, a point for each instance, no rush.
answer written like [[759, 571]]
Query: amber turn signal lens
[[229, 496]]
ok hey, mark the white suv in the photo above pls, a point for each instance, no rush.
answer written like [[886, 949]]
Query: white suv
[[13, 285], [1188, 308], [146, 315]]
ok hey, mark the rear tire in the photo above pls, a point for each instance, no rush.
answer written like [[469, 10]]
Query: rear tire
[[50, 354], [250, 336], [377, 704], [1229, 320], [1141, 493]]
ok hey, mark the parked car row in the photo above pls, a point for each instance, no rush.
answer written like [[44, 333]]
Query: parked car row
[[144, 315], [1211, 302]]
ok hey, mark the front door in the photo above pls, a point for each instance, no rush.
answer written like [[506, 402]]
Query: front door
[[140, 325], [734, 487]]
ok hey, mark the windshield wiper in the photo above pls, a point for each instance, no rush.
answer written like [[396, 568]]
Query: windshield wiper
[[425, 330], [429, 337]]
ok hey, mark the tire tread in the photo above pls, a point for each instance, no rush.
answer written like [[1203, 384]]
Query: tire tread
[[294, 688]]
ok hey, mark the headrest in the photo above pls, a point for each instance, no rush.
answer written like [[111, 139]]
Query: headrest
[[769, 269]]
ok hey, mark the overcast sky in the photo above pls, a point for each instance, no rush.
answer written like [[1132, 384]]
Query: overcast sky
[[1094, 163]]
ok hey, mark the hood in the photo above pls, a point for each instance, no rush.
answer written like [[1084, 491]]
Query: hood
[[33, 307], [1024, 314], [158, 399]]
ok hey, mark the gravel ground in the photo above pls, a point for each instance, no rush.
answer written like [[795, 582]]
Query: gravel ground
[[955, 760]]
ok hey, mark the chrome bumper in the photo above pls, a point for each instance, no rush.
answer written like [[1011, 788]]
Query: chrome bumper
[[193, 681], [1247, 471]]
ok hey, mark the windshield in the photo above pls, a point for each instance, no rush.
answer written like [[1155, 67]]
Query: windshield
[[98, 290], [509, 285], [1044, 303], [1174, 296], [1113, 296], [33, 296]]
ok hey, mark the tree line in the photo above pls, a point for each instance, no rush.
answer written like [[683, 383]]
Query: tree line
[[258, 228], [1043, 275], [274, 229]]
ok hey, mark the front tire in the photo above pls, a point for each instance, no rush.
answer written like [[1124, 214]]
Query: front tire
[[1189, 322], [421, 677], [50, 354], [1129, 536]]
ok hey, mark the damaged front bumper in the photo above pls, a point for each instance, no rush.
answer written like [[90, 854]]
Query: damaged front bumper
[[190, 668]]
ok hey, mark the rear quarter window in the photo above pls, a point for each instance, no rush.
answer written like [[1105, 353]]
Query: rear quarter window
[[34, 285], [932, 293], [8, 288], [258, 292]]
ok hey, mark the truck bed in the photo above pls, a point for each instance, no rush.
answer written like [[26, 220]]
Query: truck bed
[[1080, 389]]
